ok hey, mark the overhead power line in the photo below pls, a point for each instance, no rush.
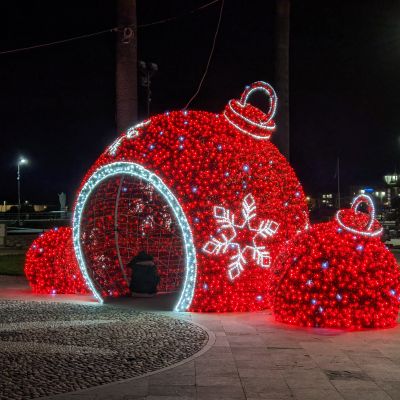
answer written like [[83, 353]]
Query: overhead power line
[[38, 46], [209, 57], [170, 19], [114, 29]]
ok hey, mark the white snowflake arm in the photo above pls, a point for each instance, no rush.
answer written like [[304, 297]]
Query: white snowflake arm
[[215, 246], [114, 146], [235, 268], [261, 256], [248, 208], [224, 218], [267, 228]]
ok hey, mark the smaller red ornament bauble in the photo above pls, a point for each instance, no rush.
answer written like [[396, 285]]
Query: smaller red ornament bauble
[[338, 275], [51, 266]]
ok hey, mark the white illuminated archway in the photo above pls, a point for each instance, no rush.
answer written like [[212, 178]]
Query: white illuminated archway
[[136, 170]]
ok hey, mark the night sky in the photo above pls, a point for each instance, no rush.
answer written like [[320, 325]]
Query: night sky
[[57, 103]]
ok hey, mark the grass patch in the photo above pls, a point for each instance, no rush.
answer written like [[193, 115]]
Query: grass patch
[[12, 264]]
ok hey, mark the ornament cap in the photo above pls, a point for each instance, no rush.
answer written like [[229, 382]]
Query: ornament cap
[[249, 119], [360, 226]]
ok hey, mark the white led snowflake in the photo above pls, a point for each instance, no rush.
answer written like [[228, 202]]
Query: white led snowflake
[[229, 237], [131, 133]]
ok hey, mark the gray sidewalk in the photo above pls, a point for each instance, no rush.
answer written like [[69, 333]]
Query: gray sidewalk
[[254, 357]]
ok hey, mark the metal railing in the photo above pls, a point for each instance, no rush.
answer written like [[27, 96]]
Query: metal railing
[[36, 216]]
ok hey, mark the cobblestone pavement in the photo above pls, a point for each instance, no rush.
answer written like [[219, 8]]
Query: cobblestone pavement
[[254, 357], [49, 348]]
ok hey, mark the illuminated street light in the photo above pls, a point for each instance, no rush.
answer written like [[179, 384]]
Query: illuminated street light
[[21, 161]]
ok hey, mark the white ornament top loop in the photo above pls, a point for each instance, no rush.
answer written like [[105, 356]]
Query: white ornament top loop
[[235, 112], [265, 87], [358, 200]]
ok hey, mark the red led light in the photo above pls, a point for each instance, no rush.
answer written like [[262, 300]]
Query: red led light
[[208, 161], [331, 277], [51, 266]]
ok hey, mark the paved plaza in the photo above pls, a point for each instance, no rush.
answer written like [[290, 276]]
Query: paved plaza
[[233, 356], [255, 358], [48, 348]]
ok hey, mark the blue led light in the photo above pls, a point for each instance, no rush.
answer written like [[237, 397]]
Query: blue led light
[[325, 265]]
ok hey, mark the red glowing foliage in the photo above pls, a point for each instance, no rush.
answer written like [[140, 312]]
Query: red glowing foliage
[[207, 160], [331, 277], [51, 266]]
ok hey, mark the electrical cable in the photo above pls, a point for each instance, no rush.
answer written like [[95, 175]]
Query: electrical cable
[[115, 29], [58, 41], [162, 21], [209, 57]]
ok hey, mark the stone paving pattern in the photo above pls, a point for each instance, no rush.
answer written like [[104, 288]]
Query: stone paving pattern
[[48, 348], [256, 358]]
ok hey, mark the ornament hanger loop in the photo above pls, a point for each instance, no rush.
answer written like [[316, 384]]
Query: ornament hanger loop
[[240, 114], [265, 87], [358, 200]]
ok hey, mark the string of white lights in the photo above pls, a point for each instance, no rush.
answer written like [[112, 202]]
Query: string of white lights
[[362, 198], [136, 170]]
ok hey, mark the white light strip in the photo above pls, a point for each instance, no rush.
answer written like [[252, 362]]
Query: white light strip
[[260, 125], [131, 133], [264, 126], [136, 170], [362, 198], [269, 90], [244, 131]]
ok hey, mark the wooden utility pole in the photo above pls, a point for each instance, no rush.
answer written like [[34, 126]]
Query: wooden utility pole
[[282, 34], [126, 65]]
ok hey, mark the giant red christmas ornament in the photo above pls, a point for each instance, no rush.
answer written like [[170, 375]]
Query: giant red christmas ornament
[[338, 274], [51, 266], [207, 194]]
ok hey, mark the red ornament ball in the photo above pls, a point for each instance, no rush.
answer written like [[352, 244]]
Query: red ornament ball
[[209, 195], [338, 275], [51, 266]]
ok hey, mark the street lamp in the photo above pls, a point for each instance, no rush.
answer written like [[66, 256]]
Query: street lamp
[[147, 69], [21, 161]]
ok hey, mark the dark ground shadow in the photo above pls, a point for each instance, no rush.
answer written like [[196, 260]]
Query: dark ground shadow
[[160, 302]]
